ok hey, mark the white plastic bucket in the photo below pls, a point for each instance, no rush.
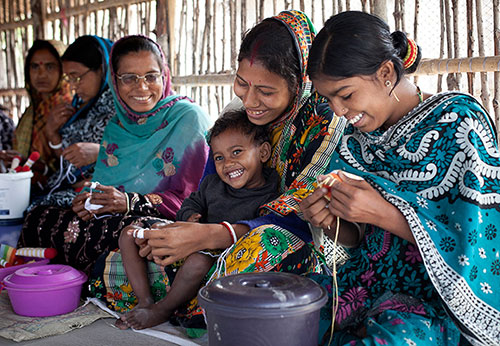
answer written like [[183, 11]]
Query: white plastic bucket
[[14, 194]]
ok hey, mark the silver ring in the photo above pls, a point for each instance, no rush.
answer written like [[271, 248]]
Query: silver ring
[[326, 206]]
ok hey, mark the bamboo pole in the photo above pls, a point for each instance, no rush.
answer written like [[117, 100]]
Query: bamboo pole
[[194, 55], [313, 12], [461, 65], [163, 17], [13, 92], [91, 7], [380, 8], [397, 15], [2, 12], [415, 29], [450, 78], [205, 42], [38, 16], [232, 29], [427, 67], [204, 80], [323, 15], [177, 64], [196, 13], [244, 15], [470, 43], [139, 16], [214, 37], [496, 76], [456, 40], [441, 43], [485, 95], [402, 9], [363, 6]]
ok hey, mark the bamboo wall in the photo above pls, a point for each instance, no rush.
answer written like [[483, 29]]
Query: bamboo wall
[[202, 37]]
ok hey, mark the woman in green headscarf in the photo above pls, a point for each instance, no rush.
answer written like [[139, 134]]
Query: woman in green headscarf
[[151, 157]]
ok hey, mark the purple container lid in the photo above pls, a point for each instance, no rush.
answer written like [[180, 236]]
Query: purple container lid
[[9, 270], [273, 290], [45, 276]]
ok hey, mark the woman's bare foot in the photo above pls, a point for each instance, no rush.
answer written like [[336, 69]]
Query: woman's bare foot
[[143, 317]]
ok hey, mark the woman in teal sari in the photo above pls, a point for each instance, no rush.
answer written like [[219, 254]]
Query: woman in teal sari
[[152, 156], [422, 223]]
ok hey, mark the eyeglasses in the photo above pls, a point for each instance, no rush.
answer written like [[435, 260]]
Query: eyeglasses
[[75, 79], [130, 79]]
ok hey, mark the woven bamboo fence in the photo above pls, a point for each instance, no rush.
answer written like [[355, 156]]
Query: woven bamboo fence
[[460, 38]]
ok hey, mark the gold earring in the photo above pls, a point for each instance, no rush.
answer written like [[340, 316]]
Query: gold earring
[[388, 84]]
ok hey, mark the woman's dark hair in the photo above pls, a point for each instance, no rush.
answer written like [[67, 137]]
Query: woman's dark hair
[[271, 44], [134, 44], [238, 120], [40, 45], [86, 51], [356, 43]]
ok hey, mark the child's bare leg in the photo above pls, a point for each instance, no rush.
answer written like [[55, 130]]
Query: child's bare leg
[[185, 286], [136, 270]]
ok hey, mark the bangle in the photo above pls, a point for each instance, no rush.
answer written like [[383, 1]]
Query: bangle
[[55, 146], [230, 228], [46, 169], [128, 204]]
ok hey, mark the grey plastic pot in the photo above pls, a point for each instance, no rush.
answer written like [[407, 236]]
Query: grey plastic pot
[[262, 309]]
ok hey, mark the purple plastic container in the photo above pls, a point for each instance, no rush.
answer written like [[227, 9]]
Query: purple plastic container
[[46, 290], [262, 309]]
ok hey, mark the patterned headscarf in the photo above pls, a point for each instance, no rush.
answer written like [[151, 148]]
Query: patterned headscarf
[[306, 136], [303, 32], [151, 151]]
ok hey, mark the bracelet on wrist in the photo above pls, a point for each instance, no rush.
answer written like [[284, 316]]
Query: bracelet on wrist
[[231, 231], [55, 146], [127, 201]]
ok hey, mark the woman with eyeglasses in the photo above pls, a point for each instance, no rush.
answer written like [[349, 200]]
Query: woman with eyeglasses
[[74, 129], [46, 90], [151, 157]]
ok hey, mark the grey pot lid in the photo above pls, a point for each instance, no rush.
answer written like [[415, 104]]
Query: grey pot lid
[[272, 290]]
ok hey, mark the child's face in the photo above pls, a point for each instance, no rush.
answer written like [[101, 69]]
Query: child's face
[[239, 160]]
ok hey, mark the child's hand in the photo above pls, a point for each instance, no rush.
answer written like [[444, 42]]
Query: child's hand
[[194, 218]]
